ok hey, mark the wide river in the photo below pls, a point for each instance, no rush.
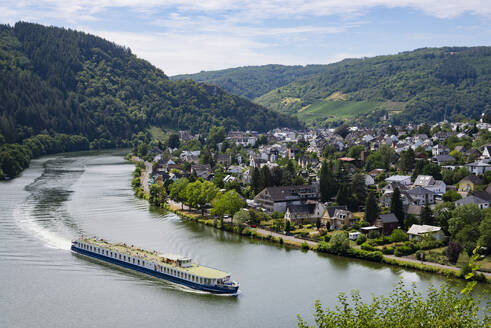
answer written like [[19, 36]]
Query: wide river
[[43, 284]]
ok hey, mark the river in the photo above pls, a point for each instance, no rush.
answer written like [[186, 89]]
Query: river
[[43, 284]]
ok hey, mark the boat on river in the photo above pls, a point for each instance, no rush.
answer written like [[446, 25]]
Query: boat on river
[[174, 268]]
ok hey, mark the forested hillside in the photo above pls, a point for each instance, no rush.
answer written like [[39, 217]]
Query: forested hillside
[[253, 81], [424, 85], [55, 81]]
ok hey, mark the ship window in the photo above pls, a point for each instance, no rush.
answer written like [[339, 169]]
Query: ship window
[[138, 261], [143, 262], [120, 256]]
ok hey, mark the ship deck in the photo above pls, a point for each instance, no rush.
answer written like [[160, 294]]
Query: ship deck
[[196, 269]]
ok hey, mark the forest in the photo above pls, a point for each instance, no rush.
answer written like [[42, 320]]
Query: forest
[[57, 81], [424, 85], [431, 84], [253, 81]]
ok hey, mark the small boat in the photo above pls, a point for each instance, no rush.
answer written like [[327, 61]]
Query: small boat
[[174, 268]]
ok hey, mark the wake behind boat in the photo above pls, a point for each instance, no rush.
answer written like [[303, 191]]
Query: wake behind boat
[[169, 267]]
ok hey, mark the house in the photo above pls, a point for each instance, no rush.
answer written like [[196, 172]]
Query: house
[[473, 153], [332, 209], [440, 150], [421, 196], [304, 162], [276, 199], [417, 232], [443, 159], [305, 213], [478, 168], [340, 219], [369, 181], [201, 170], [401, 179], [486, 152], [414, 210], [428, 182], [223, 159], [387, 223], [471, 199], [469, 183]]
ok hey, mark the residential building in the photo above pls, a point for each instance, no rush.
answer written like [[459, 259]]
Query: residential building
[[305, 213], [469, 183], [418, 232], [340, 219], [276, 199], [387, 223]]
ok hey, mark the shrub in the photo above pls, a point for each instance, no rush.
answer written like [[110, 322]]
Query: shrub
[[361, 239], [388, 250], [327, 238], [428, 243], [305, 246], [420, 255], [373, 234], [368, 247], [339, 242], [398, 235], [407, 249]]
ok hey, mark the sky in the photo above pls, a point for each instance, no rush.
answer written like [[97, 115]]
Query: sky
[[188, 36]]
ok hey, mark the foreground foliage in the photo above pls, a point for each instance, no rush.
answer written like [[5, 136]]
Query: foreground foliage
[[443, 307]]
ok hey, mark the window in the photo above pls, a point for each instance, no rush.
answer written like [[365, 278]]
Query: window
[[138, 262]]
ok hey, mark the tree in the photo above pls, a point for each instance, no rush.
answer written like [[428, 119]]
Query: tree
[[427, 215], [157, 195], [256, 181], [443, 213], [339, 242], [485, 231], [318, 223], [227, 203], [266, 176], [451, 196], [276, 176], [404, 307], [342, 130], [327, 182], [174, 141], [215, 136], [358, 190], [371, 208], [398, 235], [177, 190], [396, 205], [241, 217], [343, 197], [288, 226], [464, 225], [406, 161], [200, 193], [453, 250]]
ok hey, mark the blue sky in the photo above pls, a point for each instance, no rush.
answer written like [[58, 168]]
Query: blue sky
[[187, 36]]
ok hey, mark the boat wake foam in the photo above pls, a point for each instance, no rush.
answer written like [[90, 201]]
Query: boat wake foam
[[49, 238]]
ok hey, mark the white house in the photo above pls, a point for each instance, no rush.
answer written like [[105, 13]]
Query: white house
[[419, 231], [402, 179]]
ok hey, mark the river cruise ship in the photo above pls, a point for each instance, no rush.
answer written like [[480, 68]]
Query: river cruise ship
[[174, 268]]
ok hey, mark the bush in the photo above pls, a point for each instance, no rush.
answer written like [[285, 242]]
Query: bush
[[368, 247], [305, 246], [339, 242], [406, 249], [420, 255], [361, 239], [324, 247], [373, 234], [398, 235], [388, 250], [428, 243]]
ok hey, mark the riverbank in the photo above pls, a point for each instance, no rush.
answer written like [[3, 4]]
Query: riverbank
[[292, 241], [304, 244]]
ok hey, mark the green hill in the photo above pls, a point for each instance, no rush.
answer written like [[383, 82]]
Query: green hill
[[424, 85], [253, 81], [74, 89]]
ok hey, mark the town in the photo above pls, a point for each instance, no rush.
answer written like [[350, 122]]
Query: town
[[418, 192]]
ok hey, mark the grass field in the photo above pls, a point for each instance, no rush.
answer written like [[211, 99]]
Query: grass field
[[157, 133], [330, 110]]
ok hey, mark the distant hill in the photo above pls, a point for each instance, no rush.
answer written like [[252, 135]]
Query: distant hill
[[424, 85], [54, 80], [253, 81]]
